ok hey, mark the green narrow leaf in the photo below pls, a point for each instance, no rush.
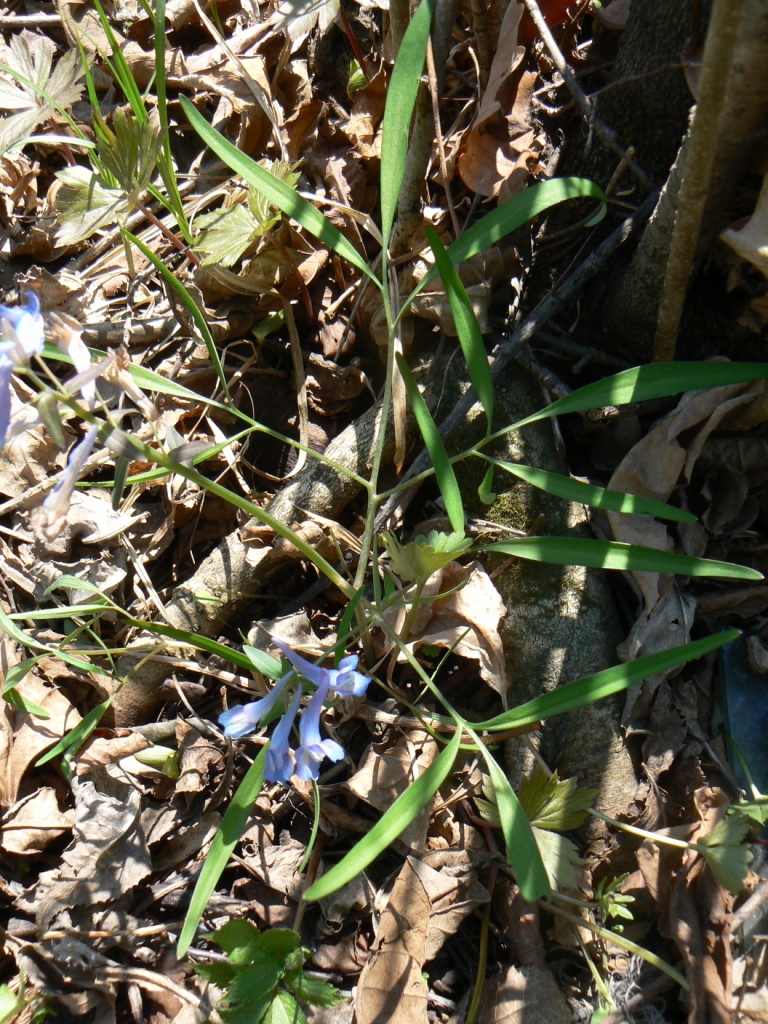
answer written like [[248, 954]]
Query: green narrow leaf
[[231, 828], [575, 695], [401, 97], [75, 738], [165, 164], [283, 197], [522, 852], [612, 554], [263, 662], [658, 380], [202, 643], [485, 491], [121, 70], [190, 305], [446, 478], [509, 217], [590, 494], [467, 327], [389, 826]]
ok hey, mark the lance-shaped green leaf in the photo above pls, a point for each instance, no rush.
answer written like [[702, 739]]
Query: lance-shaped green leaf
[[590, 494], [191, 306], [277, 192], [402, 812], [231, 828], [401, 97], [446, 478], [612, 554], [510, 216], [467, 327], [641, 383], [602, 684]]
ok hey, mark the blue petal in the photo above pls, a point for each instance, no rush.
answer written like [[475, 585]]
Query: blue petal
[[6, 372]]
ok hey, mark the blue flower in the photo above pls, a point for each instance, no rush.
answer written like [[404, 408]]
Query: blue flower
[[245, 718], [343, 680], [313, 749], [58, 501], [22, 334], [279, 760]]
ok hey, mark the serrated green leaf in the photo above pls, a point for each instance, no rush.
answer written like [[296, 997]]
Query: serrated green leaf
[[85, 205], [553, 804], [757, 810], [12, 1003], [560, 857], [225, 235], [285, 1010], [611, 554], [314, 991], [220, 974]]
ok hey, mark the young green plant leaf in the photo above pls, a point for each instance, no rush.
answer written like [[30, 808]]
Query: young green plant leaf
[[224, 842], [165, 161], [390, 825], [467, 327], [191, 307], [522, 852], [612, 554], [510, 216], [196, 641], [446, 478], [604, 684], [401, 97], [590, 494], [76, 737], [283, 197], [658, 380]]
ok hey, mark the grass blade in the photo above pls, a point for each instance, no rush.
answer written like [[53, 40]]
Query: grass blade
[[401, 97], [590, 494], [190, 305], [446, 478], [231, 828], [390, 825], [659, 380], [467, 327], [283, 197], [611, 554], [195, 640], [603, 684], [510, 216], [522, 852], [165, 161]]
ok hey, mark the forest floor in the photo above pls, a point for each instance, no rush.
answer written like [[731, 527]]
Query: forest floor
[[164, 518]]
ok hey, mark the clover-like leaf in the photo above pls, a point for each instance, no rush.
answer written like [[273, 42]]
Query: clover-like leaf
[[423, 556]]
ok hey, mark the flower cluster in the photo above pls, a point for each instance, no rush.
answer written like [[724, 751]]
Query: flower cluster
[[282, 761], [22, 336]]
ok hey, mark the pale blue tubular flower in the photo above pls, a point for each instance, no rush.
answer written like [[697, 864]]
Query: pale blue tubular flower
[[343, 680], [245, 718], [22, 334], [58, 501], [313, 748], [278, 765]]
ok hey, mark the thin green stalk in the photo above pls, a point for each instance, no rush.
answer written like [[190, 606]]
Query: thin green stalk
[[680, 844]]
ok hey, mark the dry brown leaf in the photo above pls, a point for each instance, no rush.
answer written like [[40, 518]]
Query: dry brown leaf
[[501, 143], [751, 240], [391, 986], [523, 995], [384, 775], [34, 822], [653, 467], [477, 275], [466, 621]]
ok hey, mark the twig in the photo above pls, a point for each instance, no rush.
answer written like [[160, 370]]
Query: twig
[[19, 21], [700, 152], [506, 352], [607, 134]]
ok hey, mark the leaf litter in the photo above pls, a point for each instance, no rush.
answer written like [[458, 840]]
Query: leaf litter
[[101, 847]]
